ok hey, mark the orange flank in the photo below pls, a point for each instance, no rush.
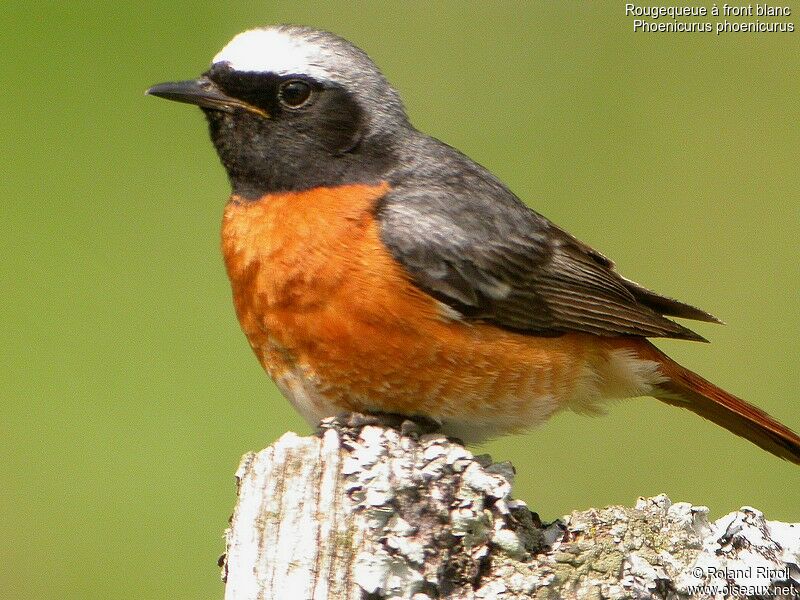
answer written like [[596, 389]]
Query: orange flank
[[339, 325]]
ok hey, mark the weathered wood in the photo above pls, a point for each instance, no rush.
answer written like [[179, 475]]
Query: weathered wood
[[373, 512]]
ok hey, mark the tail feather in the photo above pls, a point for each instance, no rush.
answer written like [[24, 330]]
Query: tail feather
[[688, 390]]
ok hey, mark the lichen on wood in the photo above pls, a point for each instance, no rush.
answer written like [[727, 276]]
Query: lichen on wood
[[368, 511]]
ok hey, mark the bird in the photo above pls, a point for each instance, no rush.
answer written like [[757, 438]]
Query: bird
[[376, 269]]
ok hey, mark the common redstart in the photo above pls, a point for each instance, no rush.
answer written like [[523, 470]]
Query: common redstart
[[377, 269]]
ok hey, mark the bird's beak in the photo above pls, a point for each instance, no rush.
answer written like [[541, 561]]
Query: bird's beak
[[202, 92]]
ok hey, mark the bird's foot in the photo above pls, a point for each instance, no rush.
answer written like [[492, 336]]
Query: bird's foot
[[348, 424]]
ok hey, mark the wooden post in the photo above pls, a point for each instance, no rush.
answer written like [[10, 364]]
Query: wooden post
[[371, 512]]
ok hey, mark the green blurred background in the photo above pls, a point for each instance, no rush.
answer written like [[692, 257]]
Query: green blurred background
[[128, 391]]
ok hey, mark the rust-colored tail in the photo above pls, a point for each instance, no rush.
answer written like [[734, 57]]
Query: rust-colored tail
[[689, 390]]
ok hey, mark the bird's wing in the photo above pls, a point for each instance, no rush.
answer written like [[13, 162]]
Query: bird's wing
[[493, 259]]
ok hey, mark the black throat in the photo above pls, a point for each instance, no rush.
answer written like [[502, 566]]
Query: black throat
[[260, 161], [327, 143]]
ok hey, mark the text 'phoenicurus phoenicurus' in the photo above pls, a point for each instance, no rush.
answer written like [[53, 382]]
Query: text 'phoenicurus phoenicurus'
[[375, 268]]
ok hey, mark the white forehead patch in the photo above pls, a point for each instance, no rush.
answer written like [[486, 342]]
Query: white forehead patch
[[273, 51]]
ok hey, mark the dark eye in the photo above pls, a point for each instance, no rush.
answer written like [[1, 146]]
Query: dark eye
[[294, 93]]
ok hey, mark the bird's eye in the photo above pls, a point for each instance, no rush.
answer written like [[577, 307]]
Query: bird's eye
[[294, 93]]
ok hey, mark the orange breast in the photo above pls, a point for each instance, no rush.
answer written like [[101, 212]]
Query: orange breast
[[320, 298]]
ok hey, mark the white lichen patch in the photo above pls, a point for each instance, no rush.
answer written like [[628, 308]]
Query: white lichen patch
[[439, 504], [742, 551]]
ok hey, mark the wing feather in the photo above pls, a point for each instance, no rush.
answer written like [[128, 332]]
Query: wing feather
[[472, 244]]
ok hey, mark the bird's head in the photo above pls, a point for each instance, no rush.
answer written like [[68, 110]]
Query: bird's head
[[293, 107]]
